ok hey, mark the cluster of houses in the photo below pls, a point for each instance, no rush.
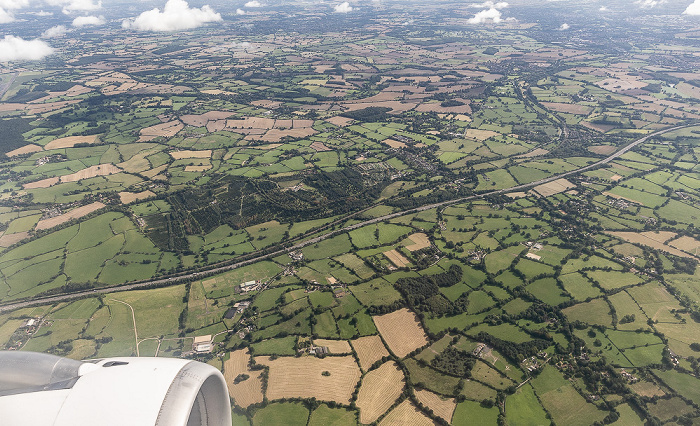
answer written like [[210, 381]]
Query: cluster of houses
[[619, 203], [533, 363], [30, 326], [629, 377], [305, 345]]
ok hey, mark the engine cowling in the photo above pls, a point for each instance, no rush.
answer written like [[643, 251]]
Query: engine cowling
[[40, 389]]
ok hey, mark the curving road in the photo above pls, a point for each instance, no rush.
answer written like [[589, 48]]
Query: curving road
[[218, 269]]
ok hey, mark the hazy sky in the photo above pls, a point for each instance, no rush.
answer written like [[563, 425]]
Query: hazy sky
[[58, 18]]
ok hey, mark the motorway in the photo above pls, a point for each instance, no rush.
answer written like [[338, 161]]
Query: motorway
[[218, 269]]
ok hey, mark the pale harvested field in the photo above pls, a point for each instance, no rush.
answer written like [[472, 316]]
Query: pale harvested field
[[619, 85], [300, 124], [166, 130], [339, 121], [442, 407], [8, 239], [379, 390], [369, 349], [266, 147], [284, 124], [249, 391], [251, 123], [397, 258], [602, 149], [688, 90], [26, 149], [65, 217], [421, 241], [517, 194], [689, 244], [153, 172], [44, 183], [660, 236], [70, 141], [91, 172], [276, 135], [264, 103], [650, 239], [138, 163], [401, 331], [201, 120], [480, 135], [534, 153], [179, 155], [555, 187], [647, 389], [394, 144], [567, 108], [292, 377], [615, 178], [50, 106], [130, 197], [396, 106], [198, 168], [319, 147], [334, 346], [406, 414], [216, 125], [12, 107]]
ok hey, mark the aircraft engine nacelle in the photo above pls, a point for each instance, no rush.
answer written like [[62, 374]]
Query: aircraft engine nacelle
[[39, 389]]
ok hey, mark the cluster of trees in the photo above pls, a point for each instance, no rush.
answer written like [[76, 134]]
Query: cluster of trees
[[423, 293], [369, 114], [454, 362]]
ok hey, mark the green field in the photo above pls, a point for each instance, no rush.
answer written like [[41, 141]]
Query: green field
[[523, 408], [324, 415], [288, 413]]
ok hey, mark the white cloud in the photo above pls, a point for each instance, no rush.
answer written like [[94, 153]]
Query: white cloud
[[564, 27], [487, 15], [84, 21], [343, 7], [41, 13], [6, 16], [693, 9], [70, 6], [176, 15], [490, 5], [603, 9], [82, 6], [13, 4], [17, 49], [491, 13], [253, 3], [57, 31], [240, 12], [649, 4]]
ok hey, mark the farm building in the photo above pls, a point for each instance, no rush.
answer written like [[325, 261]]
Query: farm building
[[247, 286], [202, 344]]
